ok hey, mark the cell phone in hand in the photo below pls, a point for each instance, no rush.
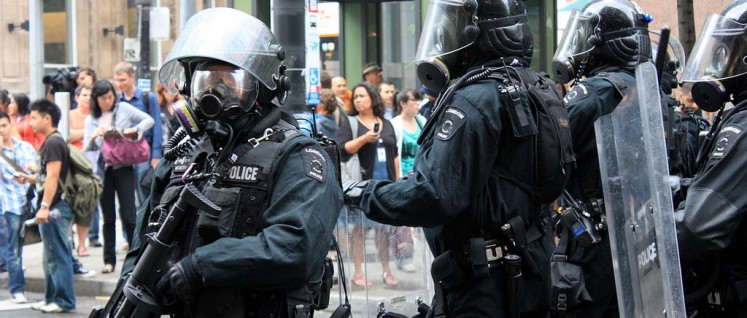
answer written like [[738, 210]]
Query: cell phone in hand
[[376, 127]]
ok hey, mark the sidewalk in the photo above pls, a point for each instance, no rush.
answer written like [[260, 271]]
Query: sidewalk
[[100, 285]]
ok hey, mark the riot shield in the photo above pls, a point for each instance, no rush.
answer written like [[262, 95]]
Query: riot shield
[[638, 203], [370, 250]]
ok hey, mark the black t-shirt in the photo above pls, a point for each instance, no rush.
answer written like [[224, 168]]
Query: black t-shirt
[[53, 149]]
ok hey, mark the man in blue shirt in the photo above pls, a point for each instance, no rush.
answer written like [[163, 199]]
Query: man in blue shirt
[[14, 204], [124, 76]]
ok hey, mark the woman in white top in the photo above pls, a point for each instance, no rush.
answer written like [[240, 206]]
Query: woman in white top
[[107, 114]]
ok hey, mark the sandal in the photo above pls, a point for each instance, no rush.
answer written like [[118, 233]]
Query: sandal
[[361, 282], [389, 280], [82, 251], [108, 268]]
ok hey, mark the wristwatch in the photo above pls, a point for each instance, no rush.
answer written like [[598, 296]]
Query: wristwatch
[[43, 205]]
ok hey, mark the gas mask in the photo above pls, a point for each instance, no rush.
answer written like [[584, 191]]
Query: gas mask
[[717, 62], [450, 27], [220, 92]]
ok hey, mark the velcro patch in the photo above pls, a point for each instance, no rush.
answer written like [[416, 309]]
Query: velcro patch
[[314, 163], [452, 120], [242, 173]]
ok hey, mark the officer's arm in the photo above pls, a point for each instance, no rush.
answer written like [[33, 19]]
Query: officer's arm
[[715, 204], [447, 174], [585, 103], [302, 213]]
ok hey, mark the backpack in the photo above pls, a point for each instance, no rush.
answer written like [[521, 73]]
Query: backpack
[[551, 129], [81, 181]]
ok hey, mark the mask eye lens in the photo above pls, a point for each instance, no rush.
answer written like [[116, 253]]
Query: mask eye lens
[[720, 57]]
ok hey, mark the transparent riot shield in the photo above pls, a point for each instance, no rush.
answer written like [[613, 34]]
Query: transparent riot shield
[[638, 203], [376, 257]]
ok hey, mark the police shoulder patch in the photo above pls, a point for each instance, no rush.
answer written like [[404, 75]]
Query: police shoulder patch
[[578, 92], [314, 163], [453, 119], [725, 140]]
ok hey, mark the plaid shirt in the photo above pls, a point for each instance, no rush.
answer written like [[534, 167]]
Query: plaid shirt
[[14, 194]]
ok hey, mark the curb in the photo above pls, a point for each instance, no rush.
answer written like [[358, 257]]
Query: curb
[[83, 286]]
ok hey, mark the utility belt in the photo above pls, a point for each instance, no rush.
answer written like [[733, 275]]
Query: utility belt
[[478, 255]]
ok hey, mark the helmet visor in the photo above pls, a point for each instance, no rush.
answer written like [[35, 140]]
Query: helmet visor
[[720, 52], [249, 45], [443, 30], [575, 40]]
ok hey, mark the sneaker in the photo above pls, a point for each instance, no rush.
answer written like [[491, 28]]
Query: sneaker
[[38, 305], [94, 242], [85, 273], [53, 308], [409, 268], [18, 298]]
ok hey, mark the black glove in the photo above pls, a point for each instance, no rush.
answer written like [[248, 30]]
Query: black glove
[[180, 281], [352, 191]]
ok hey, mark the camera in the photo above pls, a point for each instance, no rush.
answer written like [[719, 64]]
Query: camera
[[581, 227], [63, 80]]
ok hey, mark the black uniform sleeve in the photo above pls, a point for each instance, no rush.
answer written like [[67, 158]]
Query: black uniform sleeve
[[300, 217], [586, 102], [452, 165], [716, 203]]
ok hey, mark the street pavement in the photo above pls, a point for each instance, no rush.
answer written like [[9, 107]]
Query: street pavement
[[92, 291], [89, 291]]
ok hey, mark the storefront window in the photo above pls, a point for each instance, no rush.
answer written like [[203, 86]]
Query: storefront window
[[400, 33], [56, 38]]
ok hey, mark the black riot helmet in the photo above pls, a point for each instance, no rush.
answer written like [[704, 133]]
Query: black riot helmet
[[458, 33], [606, 32], [718, 61], [223, 75]]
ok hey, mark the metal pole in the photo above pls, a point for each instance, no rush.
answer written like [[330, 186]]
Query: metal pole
[[36, 50], [186, 10], [144, 69], [62, 99]]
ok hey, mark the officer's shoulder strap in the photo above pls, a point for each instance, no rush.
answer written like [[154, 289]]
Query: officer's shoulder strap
[[617, 81]]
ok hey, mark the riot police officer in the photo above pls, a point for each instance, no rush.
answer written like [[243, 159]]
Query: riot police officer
[[262, 254], [711, 223], [604, 43], [467, 180]]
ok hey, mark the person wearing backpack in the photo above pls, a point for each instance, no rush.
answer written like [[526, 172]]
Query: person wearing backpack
[[610, 39], [54, 215], [477, 184]]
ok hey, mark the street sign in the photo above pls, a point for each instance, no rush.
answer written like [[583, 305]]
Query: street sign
[[160, 24], [132, 49], [144, 84]]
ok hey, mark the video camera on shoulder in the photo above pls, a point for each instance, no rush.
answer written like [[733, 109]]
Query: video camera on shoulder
[[63, 80]]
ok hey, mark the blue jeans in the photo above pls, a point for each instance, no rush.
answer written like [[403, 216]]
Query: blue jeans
[[13, 254], [93, 232], [58, 258], [3, 242]]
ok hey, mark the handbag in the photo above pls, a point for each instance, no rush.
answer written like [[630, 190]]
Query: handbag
[[121, 150], [351, 169], [29, 230]]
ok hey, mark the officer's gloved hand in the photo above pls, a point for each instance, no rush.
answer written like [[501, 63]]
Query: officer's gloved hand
[[352, 191], [180, 281]]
